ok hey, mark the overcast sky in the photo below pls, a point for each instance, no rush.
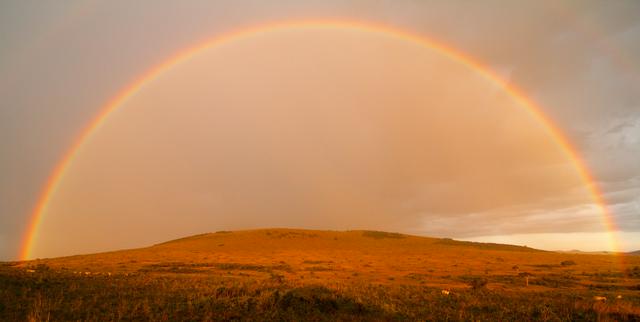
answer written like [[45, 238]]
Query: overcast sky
[[60, 62]]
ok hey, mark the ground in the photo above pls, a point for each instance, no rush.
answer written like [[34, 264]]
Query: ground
[[289, 274]]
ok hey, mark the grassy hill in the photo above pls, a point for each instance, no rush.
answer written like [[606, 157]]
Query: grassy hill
[[316, 255], [292, 274]]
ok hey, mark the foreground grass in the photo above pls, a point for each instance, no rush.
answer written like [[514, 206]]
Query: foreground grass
[[313, 275], [44, 294]]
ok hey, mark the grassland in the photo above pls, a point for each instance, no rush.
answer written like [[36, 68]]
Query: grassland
[[293, 275]]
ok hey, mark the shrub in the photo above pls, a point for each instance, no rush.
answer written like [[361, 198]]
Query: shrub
[[381, 234]]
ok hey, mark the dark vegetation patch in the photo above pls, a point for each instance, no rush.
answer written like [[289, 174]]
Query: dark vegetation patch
[[179, 267], [487, 246], [544, 266], [475, 282], [633, 272], [417, 276], [321, 301], [381, 234], [8, 264], [606, 287], [550, 281], [633, 287], [316, 262], [318, 269], [253, 267], [506, 279], [171, 269], [606, 277], [289, 234], [556, 281]]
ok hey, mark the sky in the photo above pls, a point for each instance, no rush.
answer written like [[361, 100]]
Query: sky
[[61, 63]]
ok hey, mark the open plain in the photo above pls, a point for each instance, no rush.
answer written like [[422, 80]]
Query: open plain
[[292, 275]]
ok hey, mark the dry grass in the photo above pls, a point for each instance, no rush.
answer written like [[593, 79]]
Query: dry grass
[[284, 274]]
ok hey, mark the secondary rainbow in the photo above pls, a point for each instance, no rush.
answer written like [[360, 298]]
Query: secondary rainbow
[[52, 183]]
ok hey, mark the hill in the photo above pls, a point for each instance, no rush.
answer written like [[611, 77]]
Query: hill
[[293, 274], [375, 256]]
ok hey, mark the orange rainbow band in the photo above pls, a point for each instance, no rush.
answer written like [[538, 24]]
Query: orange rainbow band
[[55, 177]]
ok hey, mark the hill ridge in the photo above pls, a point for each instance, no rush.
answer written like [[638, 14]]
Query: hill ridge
[[373, 234]]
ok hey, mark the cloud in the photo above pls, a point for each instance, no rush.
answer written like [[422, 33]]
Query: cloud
[[580, 65], [515, 220], [577, 59]]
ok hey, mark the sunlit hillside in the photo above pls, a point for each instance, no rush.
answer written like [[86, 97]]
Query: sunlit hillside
[[310, 256], [287, 274]]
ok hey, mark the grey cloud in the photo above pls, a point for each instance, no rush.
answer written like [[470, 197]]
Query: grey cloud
[[583, 218]]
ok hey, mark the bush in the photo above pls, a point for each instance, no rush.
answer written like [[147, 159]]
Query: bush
[[478, 283]]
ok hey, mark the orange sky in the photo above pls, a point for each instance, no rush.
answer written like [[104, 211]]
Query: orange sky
[[315, 128]]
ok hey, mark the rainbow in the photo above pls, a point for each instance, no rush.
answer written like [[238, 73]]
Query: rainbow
[[58, 173]]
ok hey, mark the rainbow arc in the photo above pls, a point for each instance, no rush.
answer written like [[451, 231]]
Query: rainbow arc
[[58, 173]]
